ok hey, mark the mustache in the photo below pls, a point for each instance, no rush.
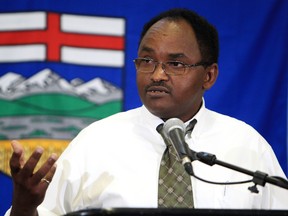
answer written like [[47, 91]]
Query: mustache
[[157, 84]]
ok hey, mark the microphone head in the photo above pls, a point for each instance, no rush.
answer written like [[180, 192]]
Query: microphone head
[[172, 124]]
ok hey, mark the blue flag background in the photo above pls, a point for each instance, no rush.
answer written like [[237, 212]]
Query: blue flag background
[[252, 84]]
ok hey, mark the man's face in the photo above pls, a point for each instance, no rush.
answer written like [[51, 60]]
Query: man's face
[[168, 96]]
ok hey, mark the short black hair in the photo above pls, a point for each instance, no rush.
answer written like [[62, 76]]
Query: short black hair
[[206, 33]]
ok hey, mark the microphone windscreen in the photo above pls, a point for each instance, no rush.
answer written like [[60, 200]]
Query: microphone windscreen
[[172, 124]]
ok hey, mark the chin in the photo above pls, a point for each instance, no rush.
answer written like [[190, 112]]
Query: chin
[[162, 113]]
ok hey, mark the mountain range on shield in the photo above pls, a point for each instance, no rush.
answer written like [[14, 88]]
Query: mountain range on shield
[[97, 90], [48, 94]]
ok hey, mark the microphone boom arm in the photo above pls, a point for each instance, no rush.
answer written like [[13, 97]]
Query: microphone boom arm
[[259, 178]]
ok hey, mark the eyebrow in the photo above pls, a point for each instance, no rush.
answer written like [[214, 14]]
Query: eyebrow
[[176, 55], [170, 55], [147, 49]]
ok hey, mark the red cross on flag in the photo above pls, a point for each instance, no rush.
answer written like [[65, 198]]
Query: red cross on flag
[[66, 38]]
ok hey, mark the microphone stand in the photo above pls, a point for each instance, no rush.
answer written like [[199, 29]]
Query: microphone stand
[[259, 178]]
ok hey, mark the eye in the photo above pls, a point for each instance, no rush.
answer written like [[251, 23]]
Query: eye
[[175, 64], [146, 61]]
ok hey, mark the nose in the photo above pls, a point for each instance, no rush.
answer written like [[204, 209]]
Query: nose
[[159, 73]]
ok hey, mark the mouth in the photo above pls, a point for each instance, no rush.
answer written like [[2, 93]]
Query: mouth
[[157, 91]]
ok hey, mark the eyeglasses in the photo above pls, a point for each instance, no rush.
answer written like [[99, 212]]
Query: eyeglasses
[[175, 68]]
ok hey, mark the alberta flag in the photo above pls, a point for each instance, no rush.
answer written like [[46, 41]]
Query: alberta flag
[[50, 105]]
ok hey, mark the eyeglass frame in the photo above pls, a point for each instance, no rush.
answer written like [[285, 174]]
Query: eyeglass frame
[[163, 65]]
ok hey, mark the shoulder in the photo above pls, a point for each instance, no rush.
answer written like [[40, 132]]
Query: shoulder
[[109, 127], [115, 120], [233, 132], [229, 123], [107, 130], [236, 141]]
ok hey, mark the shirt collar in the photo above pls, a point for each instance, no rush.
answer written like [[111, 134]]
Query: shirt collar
[[149, 119], [200, 117], [153, 121]]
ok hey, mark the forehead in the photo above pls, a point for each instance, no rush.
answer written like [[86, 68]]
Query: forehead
[[170, 36]]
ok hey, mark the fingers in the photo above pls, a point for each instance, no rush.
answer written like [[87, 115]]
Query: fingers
[[48, 178], [47, 170], [17, 158], [25, 171], [29, 189], [31, 163]]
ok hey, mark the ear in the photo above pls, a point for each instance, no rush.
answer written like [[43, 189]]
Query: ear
[[211, 74]]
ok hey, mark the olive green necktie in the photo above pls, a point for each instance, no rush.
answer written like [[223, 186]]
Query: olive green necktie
[[174, 186]]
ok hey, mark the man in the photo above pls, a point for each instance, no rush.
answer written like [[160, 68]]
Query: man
[[115, 162]]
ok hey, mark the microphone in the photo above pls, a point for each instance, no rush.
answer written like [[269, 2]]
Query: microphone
[[174, 130]]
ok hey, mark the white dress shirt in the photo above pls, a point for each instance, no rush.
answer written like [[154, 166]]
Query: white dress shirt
[[114, 163]]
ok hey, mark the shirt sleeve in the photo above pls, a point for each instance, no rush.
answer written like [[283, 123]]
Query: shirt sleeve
[[276, 196]]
